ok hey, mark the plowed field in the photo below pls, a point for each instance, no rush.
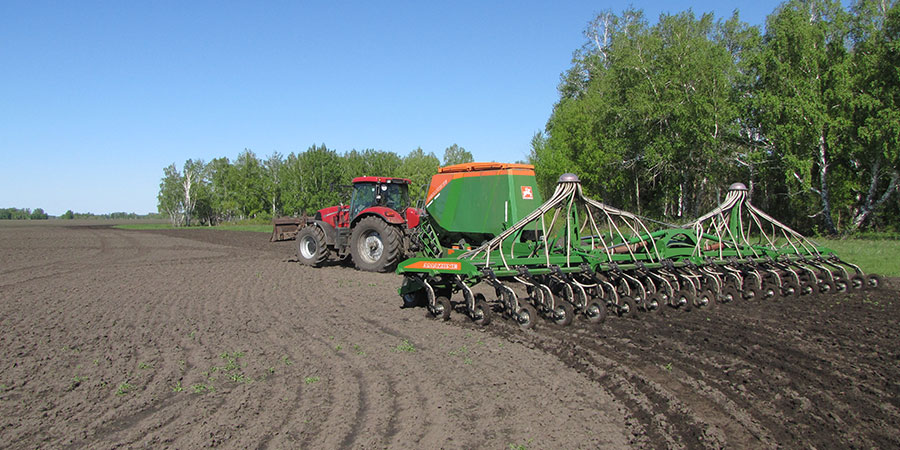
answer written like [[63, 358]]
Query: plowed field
[[193, 338]]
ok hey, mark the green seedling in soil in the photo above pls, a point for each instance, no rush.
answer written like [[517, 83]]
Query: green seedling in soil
[[76, 381], [338, 347], [240, 378], [461, 351], [178, 387], [97, 362], [521, 446], [201, 388], [405, 346], [3, 388], [124, 388], [286, 360], [467, 361], [358, 350], [311, 380], [668, 367], [144, 366]]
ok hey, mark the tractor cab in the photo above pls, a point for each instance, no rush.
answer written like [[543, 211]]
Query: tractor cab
[[368, 192]]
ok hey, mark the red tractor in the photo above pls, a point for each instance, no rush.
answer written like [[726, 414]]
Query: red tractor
[[375, 228]]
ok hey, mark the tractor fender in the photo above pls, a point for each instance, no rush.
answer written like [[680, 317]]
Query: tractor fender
[[327, 228], [386, 214]]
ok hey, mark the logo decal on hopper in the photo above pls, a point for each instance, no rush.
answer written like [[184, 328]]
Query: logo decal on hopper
[[526, 193]]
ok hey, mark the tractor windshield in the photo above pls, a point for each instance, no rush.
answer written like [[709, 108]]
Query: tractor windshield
[[363, 197], [391, 195], [395, 196]]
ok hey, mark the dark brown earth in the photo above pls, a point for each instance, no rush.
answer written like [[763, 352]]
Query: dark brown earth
[[194, 338]]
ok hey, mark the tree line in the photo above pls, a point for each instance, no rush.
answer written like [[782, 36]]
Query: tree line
[[661, 118], [22, 214], [208, 193]]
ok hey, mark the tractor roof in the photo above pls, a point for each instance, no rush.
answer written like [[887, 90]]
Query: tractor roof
[[381, 180]]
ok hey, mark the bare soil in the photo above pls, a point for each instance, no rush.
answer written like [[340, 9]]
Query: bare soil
[[193, 338]]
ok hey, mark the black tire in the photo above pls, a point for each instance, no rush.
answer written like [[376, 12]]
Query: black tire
[[375, 245], [806, 287], [595, 311], [729, 294], [873, 281], [827, 287], [751, 292], [441, 309], [654, 303], [706, 299], [526, 317], [482, 313], [840, 286], [790, 289], [311, 248], [627, 307], [563, 313], [858, 282], [684, 299]]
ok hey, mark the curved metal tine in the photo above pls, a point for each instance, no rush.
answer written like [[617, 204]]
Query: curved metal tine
[[839, 267], [804, 266], [583, 302], [643, 291], [429, 291], [823, 269], [776, 275], [514, 299], [691, 279], [548, 295], [671, 290], [467, 294], [717, 281], [649, 279]]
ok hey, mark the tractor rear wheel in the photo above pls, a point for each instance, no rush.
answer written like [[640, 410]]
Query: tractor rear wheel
[[375, 245], [311, 248]]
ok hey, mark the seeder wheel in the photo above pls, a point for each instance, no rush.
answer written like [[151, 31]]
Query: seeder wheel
[[441, 308], [858, 282], [654, 303], [826, 287], [872, 281], [768, 292], [563, 313], [627, 307], [595, 311], [706, 299], [526, 316], [729, 294], [790, 289], [482, 313]]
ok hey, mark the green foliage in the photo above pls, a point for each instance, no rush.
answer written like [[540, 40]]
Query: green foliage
[[252, 191], [22, 214], [663, 117], [419, 167], [455, 154]]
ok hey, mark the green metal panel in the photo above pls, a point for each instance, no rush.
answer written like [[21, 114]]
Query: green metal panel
[[483, 204]]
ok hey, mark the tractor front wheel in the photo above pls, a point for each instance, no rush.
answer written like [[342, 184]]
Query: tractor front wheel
[[375, 245], [311, 248]]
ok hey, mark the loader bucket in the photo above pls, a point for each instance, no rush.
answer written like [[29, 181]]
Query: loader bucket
[[285, 228]]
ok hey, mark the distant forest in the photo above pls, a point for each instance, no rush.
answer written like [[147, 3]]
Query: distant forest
[[39, 214], [202, 193], [660, 118]]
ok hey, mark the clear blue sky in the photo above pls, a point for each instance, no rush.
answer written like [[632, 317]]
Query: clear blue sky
[[96, 98]]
